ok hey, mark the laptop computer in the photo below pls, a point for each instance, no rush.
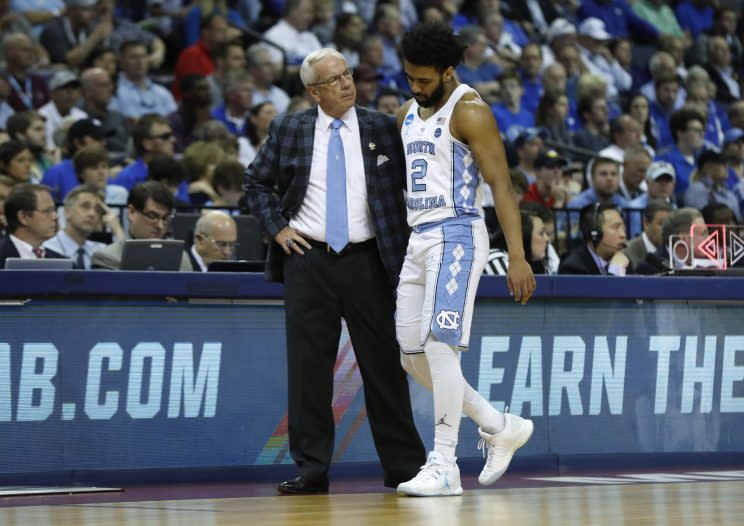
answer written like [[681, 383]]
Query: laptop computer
[[152, 254], [38, 264]]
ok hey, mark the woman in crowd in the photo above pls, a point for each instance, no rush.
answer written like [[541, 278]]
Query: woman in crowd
[[535, 240], [551, 116], [15, 161], [259, 119]]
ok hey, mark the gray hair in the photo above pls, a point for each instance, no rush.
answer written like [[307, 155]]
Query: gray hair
[[307, 70], [656, 61], [209, 220], [696, 74]]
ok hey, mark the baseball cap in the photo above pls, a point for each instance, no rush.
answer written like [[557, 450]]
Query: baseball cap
[[594, 28], [86, 128], [658, 168], [365, 72], [559, 27], [63, 78], [550, 159], [710, 156], [732, 135], [526, 135]]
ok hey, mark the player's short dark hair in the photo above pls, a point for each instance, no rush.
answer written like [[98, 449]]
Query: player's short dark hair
[[432, 44]]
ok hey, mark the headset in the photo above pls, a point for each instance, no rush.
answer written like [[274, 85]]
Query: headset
[[592, 232]]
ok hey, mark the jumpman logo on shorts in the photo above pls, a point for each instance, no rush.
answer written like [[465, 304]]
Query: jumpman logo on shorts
[[442, 422]]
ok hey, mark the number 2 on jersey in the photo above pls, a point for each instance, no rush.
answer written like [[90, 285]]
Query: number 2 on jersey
[[418, 167]]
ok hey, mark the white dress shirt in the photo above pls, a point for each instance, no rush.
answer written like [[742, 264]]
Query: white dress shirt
[[198, 259], [311, 217], [63, 244], [25, 250]]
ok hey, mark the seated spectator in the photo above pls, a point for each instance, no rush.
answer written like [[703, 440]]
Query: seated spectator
[[552, 114], [28, 91], [28, 128], [649, 241], [229, 57], [527, 146], [510, 115], [535, 243], [15, 161], [97, 89], [83, 214], [124, 30], [718, 214], [708, 184], [548, 189], [238, 101], [92, 169], [663, 65], [152, 135], [215, 239], [530, 66], [621, 21], [108, 60], [660, 180], [65, 92], [136, 94], [733, 151], [666, 89], [257, 131], [347, 37], [227, 181], [721, 72], [603, 231], [262, 71], [593, 38], [560, 33], [293, 34], [675, 235], [61, 178], [700, 91], [6, 184], [388, 101], [32, 219], [501, 47], [197, 59], [637, 107], [724, 25], [636, 161], [570, 58], [71, 38], [519, 185], [593, 134], [687, 128], [149, 210], [193, 110], [548, 219], [199, 161], [476, 69], [168, 171], [388, 26]]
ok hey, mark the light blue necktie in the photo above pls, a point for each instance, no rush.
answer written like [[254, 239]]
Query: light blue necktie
[[337, 222]]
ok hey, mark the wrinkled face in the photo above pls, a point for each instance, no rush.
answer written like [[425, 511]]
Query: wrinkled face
[[334, 91], [19, 167], [149, 223], [634, 172], [96, 176], [540, 240], [84, 214], [427, 83], [653, 228], [41, 222], [219, 245], [605, 178], [662, 187]]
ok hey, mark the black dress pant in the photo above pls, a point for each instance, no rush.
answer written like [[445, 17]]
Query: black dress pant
[[320, 289]]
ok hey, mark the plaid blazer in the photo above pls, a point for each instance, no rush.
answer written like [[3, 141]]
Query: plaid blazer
[[277, 179]]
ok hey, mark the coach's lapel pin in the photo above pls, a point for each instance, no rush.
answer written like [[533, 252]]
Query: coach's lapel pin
[[372, 146]]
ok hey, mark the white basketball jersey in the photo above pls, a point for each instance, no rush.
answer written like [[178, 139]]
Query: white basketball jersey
[[443, 179]]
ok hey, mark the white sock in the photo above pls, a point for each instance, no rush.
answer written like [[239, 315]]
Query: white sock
[[448, 387], [474, 405]]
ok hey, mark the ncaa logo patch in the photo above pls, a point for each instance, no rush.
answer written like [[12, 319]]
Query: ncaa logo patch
[[409, 119], [438, 133], [448, 320]]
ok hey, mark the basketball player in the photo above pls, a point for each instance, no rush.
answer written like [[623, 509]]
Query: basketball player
[[452, 146]]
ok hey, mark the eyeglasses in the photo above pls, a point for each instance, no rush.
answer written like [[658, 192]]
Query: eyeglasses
[[163, 136], [154, 217], [333, 81], [52, 210]]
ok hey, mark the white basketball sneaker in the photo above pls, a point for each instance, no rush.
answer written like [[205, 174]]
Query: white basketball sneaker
[[436, 478], [499, 448]]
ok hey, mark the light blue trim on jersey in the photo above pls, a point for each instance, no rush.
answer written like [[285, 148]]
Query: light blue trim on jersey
[[463, 220], [453, 280], [465, 180]]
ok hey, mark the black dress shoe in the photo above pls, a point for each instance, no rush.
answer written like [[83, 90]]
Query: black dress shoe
[[302, 486]]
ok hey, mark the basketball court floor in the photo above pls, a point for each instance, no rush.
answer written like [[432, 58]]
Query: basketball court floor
[[669, 497]]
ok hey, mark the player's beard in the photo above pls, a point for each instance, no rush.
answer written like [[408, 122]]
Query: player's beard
[[435, 98]]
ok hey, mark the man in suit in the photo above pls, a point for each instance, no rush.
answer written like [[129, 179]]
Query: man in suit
[[215, 239], [649, 241], [32, 219], [721, 73], [339, 230], [603, 229], [149, 209]]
